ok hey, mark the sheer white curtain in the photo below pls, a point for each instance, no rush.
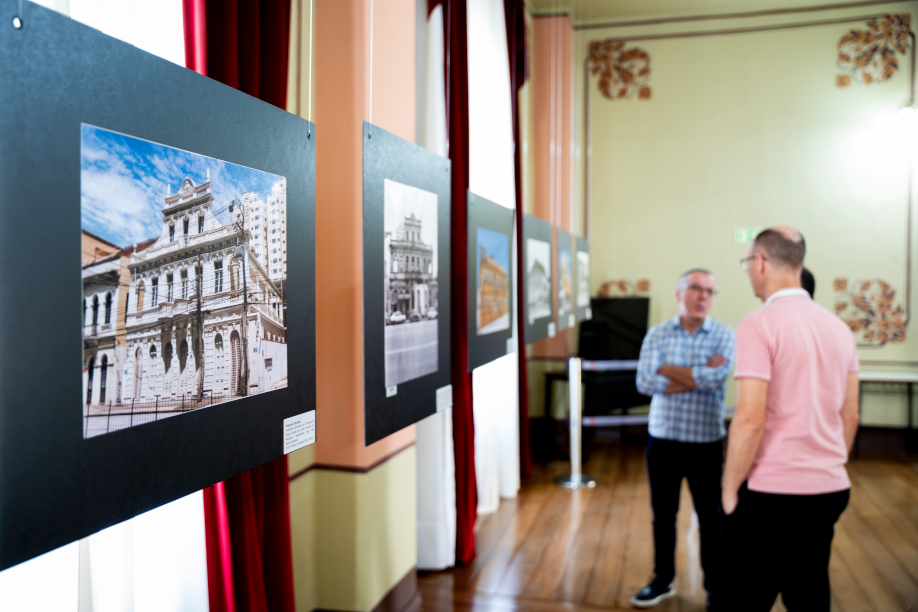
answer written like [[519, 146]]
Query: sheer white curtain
[[494, 386], [436, 462], [155, 561]]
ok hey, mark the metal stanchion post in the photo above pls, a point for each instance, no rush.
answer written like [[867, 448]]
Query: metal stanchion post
[[575, 480]]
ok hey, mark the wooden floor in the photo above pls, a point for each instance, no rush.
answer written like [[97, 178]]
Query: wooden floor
[[551, 549]]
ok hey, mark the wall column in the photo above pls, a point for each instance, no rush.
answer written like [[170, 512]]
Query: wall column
[[353, 508]]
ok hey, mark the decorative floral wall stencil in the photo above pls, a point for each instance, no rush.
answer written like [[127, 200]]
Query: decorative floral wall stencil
[[870, 309], [624, 288], [870, 55], [622, 72]]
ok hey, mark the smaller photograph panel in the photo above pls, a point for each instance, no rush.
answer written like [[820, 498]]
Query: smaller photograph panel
[[583, 279], [565, 281], [538, 279], [410, 283], [493, 293], [184, 271]]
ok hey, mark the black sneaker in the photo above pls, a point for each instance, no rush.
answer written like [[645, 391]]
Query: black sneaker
[[652, 594]]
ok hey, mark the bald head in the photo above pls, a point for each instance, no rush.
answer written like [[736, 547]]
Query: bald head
[[782, 245]]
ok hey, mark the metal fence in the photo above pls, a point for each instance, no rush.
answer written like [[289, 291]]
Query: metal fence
[[104, 418]]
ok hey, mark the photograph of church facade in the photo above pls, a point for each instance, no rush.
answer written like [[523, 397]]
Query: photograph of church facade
[[192, 315], [411, 282], [493, 296], [538, 279], [565, 283], [583, 279]]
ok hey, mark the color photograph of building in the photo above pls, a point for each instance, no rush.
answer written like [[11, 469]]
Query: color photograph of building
[[184, 292], [493, 293]]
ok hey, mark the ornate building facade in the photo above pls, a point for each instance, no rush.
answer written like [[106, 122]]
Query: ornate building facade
[[411, 281], [199, 316], [493, 296]]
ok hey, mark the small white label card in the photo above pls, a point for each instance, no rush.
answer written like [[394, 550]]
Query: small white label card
[[444, 398], [390, 391], [509, 345], [589, 313], [551, 329], [571, 319], [299, 431]]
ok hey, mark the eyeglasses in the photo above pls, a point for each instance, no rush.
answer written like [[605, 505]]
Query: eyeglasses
[[744, 262], [699, 289]]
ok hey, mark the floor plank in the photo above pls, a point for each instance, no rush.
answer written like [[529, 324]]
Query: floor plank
[[554, 550]]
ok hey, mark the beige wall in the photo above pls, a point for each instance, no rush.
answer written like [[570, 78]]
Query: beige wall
[[750, 130]]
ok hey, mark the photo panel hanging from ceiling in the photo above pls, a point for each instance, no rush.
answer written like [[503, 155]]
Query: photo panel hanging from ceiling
[[180, 216], [537, 260], [564, 284], [406, 215], [490, 270], [582, 286]]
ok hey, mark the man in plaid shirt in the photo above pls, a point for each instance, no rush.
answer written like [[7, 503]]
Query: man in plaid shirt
[[684, 365]]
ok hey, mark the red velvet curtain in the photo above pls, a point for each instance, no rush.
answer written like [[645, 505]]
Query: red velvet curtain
[[244, 44], [514, 18], [457, 109]]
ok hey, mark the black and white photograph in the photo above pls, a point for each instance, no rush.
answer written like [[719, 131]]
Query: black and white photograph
[[538, 279], [411, 282], [583, 279], [184, 266]]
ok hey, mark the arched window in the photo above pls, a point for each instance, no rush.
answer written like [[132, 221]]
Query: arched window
[[140, 292], [90, 368], [153, 370], [95, 310], [183, 355], [219, 374], [103, 377], [167, 356], [236, 357], [138, 372], [108, 308]]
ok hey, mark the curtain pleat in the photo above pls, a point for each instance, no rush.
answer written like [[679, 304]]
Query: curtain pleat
[[244, 44], [514, 18], [456, 26]]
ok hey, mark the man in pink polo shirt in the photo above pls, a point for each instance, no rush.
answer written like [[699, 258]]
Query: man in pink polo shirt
[[785, 483]]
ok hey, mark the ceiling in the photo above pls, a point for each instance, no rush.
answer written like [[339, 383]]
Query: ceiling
[[583, 11]]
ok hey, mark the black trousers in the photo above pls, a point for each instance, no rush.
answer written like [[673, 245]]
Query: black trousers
[[668, 462], [779, 544]]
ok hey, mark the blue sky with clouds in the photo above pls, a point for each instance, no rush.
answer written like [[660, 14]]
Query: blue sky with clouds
[[497, 245], [123, 182]]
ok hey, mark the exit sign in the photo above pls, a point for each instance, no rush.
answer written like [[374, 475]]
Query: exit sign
[[745, 235]]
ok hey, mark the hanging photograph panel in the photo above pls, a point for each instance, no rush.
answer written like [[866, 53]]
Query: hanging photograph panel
[[99, 137], [582, 274], [564, 285], [406, 212], [537, 258], [490, 264]]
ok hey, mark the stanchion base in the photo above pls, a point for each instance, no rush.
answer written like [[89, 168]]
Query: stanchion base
[[569, 481]]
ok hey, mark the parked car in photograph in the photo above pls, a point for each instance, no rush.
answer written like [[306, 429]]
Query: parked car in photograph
[[396, 317], [432, 313]]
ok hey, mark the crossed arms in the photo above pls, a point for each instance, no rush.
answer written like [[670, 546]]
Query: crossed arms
[[655, 376]]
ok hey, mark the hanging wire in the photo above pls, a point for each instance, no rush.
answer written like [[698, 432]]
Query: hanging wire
[[309, 102], [370, 129]]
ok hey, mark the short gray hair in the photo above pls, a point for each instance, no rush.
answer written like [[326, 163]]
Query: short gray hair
[[685, 275]]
